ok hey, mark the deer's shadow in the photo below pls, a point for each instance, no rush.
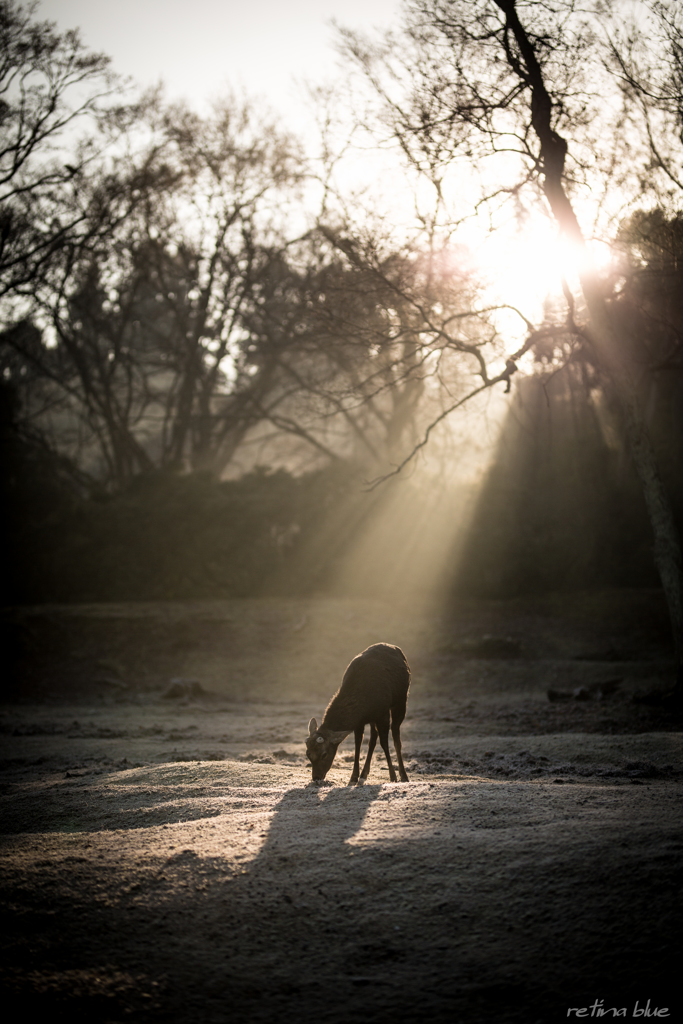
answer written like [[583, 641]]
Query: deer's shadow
[[313, 823]]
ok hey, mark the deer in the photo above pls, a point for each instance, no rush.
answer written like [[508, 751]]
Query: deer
[[374, 691]]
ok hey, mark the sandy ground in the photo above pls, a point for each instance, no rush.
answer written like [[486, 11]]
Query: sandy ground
[[168, 859]]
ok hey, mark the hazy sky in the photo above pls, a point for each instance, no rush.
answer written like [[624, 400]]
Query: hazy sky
[[197, 46]]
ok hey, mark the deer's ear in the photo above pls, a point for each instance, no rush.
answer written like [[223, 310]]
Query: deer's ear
[[312, 727]]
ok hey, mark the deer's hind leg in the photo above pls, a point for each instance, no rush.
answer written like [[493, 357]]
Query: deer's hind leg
[[397, 716], [372, 742], [383, 730]]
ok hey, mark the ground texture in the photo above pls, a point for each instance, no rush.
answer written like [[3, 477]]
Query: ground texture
[[165, 857]]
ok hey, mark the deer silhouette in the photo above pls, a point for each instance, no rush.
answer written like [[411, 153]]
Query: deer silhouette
[[374, 690]]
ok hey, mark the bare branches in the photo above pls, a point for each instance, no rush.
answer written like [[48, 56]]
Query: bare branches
[[163, 308], [430, 429], [50, 85]]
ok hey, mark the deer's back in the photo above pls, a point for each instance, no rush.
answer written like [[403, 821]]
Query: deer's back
[[376, 680]]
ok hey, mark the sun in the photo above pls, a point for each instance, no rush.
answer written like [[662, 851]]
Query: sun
[[524, 267]]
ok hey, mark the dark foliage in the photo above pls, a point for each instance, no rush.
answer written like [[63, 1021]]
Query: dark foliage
[[560, 509], [167, 536]]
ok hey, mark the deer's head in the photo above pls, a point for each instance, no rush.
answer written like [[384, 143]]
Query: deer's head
[[320, 749]]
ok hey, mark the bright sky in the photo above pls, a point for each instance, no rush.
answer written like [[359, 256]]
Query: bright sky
[[199, 46]]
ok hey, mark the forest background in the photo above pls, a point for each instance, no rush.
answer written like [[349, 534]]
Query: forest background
[[221, 342]]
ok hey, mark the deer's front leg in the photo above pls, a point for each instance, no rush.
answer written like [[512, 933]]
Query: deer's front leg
[[371, 746], [358, 734]]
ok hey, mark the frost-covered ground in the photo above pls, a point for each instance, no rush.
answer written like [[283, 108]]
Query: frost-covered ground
[[168, 859]]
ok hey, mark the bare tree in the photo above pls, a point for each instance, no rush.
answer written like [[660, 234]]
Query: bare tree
[[526, 87], [394, 324], [180, 299], [156, 349], [59, 104]]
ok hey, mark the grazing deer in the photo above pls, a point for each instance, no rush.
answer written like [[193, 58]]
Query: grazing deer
[[374, 690]]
